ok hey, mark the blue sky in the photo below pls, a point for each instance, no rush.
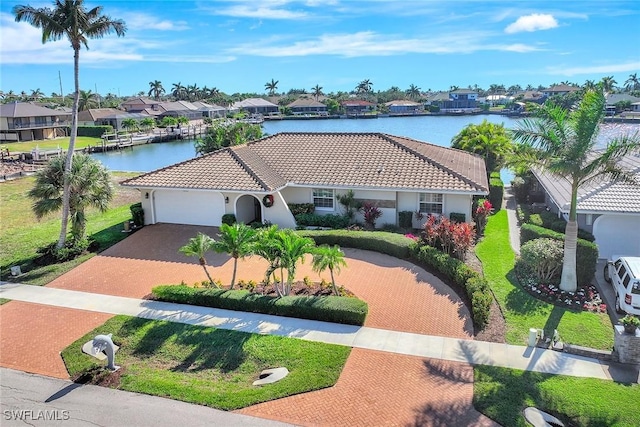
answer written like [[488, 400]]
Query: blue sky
[[239, 45]]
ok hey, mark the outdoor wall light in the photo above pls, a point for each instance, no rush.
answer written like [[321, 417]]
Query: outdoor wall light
[[146, 195], [226, 200]]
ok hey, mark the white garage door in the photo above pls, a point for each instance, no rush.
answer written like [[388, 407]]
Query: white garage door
[[617, 235], [189, 207]]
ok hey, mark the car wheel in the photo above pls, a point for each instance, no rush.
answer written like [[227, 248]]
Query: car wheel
[[618, 309], [607, 278]]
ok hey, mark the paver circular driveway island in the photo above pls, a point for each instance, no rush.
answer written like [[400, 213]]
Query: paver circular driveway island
[[375, 388]]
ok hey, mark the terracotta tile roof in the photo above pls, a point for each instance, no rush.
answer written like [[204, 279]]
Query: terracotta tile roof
[[347, 160], [603, 196]]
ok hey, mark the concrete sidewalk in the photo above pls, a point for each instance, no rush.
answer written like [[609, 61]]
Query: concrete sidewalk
[[429, 346]]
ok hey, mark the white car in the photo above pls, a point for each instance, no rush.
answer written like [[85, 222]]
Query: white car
[[624, 275]]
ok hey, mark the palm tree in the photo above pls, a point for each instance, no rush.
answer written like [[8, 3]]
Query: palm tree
[[130, 124], [271, 86], [70, 19], [490, 140], [236, 240], [198, 246], [332, 258], [608, 83], [562, 142], [90, 186], [36, 94], [632, 83], [364, 86], [413, 92], [178, 91], [294, 248], [589, 85], [193, 92], [86, 100], [267, 246], [317, 91], [155, 88]]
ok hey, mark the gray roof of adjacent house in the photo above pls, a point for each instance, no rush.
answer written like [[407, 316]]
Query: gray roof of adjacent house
[[467, 91], [26, 109], [561, 89], [336, 160], [306, 102], [603, 196], [614, 98], [94, 114], [253, 102], [402, 102]]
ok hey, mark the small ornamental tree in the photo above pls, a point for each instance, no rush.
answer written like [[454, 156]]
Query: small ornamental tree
[[482, 212], [371, 213], [430, 234], [445, 234], [543, 257]]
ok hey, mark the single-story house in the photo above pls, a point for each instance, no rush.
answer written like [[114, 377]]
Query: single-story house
[[24, 121], [559, 90], [256, 181], [255, 106], [307, 106], [608, 210], [456, 100], [403, 106], [357, 106], [92, 116]]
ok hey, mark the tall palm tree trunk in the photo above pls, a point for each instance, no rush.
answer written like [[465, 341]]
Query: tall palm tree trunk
[[235, 268], [66, 188], [568, 280], [203, 263]]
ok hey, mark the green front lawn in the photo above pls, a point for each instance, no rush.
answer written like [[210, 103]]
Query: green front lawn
[[51, 144], [521, 310], [208, 366], [502, 394], [22, 234]]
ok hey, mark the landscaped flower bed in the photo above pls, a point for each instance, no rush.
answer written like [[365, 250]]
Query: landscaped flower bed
[[586, 298]]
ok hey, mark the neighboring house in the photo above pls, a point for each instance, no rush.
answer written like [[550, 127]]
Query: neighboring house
[[614, 98], [307, 106], [559, 90], [403, 106], [137, 105], [459, 100], [255, 106], [609, 210], [531, 96], [23, 121], [93, 116], [354, 107], [395, 173], [210, 110], [115, 120]]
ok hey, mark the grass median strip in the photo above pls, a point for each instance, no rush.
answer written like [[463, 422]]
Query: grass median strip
[[208, 366], [521, 310]]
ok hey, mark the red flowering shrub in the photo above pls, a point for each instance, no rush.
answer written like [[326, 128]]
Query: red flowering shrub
[[483, 210], [450, 237], [371, 213]]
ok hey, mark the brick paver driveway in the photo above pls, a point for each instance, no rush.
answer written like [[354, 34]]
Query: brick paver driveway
[[375, 388]]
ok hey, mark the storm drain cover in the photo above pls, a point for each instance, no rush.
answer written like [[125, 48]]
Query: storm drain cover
[[269, 376], [539, 418]]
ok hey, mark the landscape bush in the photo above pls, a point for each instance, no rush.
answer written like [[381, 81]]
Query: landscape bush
[[350, 311], [137, 214], [457, 217], [94, 131], [463, 277], [548, 220], [396, 245], [496, 190], [301, 208], [543, 257], [314, 220], [405, 219], [228, 219], [586, 252]]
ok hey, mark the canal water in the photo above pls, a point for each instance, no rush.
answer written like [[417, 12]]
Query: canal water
[[437, 130]]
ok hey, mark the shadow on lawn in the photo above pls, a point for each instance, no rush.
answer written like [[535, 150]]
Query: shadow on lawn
[[186, 347], [503, 394], [518, 300]]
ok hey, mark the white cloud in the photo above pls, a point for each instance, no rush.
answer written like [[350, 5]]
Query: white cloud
[[594, 69], [264, 9], [143, 21], [369, 43], [533, 22]]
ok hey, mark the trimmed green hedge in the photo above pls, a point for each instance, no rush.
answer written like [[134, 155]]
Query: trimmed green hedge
[[137, 214], [94, 131], [473, 284], [548, 220], [301, 208], [586, 252], [350, 311], [396, 245], [315, 220], [496, 191]]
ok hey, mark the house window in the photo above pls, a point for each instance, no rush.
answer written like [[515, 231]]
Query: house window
[[323, 198], [431, 203]]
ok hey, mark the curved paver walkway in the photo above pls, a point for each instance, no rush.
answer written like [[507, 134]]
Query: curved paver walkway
[[401, 297]]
